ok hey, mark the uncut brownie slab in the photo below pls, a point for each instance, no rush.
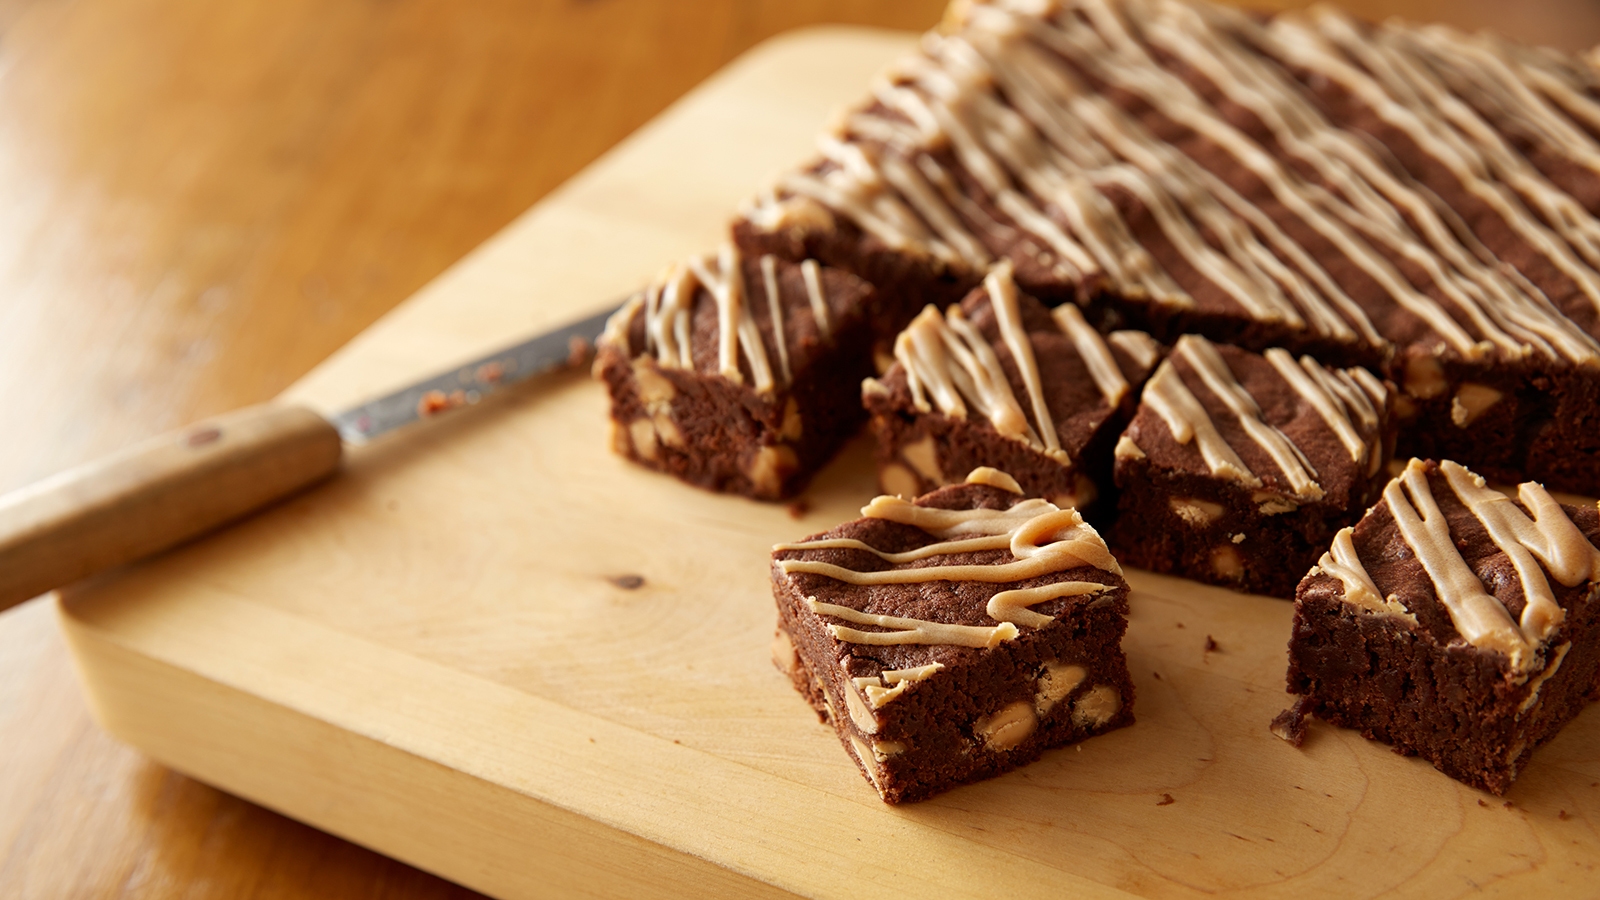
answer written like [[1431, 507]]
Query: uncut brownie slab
[[1000, 381], [1454, 622], [738, 374], [955, 637], [1408, 199], [1238, 468]]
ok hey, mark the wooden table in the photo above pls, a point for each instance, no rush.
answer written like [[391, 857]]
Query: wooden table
[[207, 199]]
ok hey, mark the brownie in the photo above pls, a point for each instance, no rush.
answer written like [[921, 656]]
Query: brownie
[[1454, 622], [1238, 468], [955, 637], [1000, 381], [738, 374], [1408, 199]]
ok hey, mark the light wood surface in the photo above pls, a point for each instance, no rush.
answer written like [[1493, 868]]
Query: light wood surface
[[205, 200], [436, 654]]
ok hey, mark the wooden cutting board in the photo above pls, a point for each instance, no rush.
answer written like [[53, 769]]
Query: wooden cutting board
[[439, 655]]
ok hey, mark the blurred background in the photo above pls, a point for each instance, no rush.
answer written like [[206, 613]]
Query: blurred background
[[199, 201]]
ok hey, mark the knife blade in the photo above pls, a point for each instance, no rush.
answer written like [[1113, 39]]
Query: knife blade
[[185, 483], [468, 384]]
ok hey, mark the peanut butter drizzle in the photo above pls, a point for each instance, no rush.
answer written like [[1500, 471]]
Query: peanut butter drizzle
[[769, 279], [950, 360], [909, 631], [995, 94], [1481, 619], [811, 273], [1187, 419], [1095, 353], [1344, 400], [1140, 346], [1342, 563], [1043, 539], [668, 308], [872, 686]]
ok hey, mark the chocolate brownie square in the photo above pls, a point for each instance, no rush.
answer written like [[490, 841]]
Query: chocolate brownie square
[[1454, 622], [1001, 381], [1239, 468], [738, 374], [957, 636]]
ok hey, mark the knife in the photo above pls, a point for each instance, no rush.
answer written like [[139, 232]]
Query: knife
[[182, 484]]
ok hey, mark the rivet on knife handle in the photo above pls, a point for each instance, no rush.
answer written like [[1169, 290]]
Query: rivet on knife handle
[[158, 494]]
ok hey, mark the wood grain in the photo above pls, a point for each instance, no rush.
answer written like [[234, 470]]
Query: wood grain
[[203, 200]]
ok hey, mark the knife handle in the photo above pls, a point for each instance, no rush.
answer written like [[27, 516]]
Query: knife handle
[[158, 494]]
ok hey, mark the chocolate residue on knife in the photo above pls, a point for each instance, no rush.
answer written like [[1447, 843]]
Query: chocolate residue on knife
[[578, 351]]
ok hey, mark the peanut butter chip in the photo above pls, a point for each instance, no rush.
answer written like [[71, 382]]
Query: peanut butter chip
[[1007, 728], [1096, 706]]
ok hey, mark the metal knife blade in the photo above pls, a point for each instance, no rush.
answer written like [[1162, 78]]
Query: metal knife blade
[[470, 383]]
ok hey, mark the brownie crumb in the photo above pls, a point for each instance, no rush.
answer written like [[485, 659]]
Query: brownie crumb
[[627, 582], [1166, 800], [1180, 624], [1563, 815], [1483, 804], [1290, 725], [799, 508], [1506, 804], [1212, 646], [1156, 675]]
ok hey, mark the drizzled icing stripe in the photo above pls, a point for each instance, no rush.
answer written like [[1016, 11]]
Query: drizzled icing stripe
[[996, 97], [769, 279], [1043, 539], [1342, 562], [811, 273], [1002, 291], [1549, 537], [901, 630], [872, 686], [1096, 355], [667, 305], [948, 361], [723, 277], [1140, 347], [1340, 400], [1186, 417]]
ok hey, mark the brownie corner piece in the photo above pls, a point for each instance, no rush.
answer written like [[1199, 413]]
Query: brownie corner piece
[[1454, 623], [1238, 468], [999, 380], [738, 374], [941, 658]]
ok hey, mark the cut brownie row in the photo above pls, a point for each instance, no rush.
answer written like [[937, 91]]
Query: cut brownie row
[[739, 374], [1239, 468], [955, 637], [1408, 199], [1000, 381], [1454, 622]]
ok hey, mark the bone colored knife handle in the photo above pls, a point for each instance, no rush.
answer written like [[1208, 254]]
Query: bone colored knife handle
[[158, 494]]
